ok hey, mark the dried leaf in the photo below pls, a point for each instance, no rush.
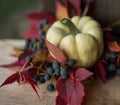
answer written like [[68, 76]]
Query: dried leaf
[[82, 74], [71, 91], [113, 46], [10, 79], [61, 11], [56, 52]]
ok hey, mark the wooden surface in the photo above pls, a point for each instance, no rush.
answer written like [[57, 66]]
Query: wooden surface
[[97, 93]]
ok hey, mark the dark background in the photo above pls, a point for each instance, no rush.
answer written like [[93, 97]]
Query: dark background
[[12, 16]]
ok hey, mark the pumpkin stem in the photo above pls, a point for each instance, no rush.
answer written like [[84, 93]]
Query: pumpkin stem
[[72, 28]]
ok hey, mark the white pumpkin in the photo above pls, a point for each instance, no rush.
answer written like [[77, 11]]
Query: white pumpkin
[[81, 38]]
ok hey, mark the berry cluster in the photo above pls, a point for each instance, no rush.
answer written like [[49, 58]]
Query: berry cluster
[[54, 71], [43, 26], [34, 44], [111, 67]]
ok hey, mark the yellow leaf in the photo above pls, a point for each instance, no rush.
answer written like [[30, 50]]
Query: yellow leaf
[[113, 46], [61, 11]]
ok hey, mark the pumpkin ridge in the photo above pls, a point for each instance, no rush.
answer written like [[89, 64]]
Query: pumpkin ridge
[[71, 50], [86, 48]]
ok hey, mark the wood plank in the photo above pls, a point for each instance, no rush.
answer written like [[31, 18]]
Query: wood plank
[[97, 93]]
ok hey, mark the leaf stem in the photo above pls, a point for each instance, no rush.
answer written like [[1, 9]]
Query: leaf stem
[[86, 9]]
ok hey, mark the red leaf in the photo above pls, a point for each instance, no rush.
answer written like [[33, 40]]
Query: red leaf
[[28, 78], [14, 64], [25, 54], [70, 90], [100, 70], [34, 22], [31, 33], [56, 52], [74, 7], [38, 16], [65, 88], [60, 101], [10, 79], [82, 74], [77, 94]]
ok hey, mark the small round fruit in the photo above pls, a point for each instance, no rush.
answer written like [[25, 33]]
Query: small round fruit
[[63, 73], [56, 65], [42, 80], [47, 76], [50, 70], [71, 62], [50, 87]]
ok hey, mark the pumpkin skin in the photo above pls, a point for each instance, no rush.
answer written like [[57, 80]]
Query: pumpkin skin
[[86, 46]]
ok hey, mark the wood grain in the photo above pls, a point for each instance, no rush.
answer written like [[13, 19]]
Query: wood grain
[[97, 93]]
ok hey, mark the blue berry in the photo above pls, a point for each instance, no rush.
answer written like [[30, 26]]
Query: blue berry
[[110, 55], [41, 41], [56, 65], [46, 65], [31, 46], [57, 72], [36, 78], [50, 87], [50, 70], [27, 43], [39, 46], [41, 32], [111, 67], [41, 80], [28, 58], [118, 71], [71, 62], [40, 26], [27, 40], [44, 21], [47, 76], [34, 40], [63, 73], [34, 49]]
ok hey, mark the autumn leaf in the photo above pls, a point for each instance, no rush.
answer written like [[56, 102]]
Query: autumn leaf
[[82, 73], [56, 52], [61, 11], [21, 77], [10, 79], [71, 91], [24, 54], [113, 46], [100, 70], [35, 19], [73, 7], [77, 94], [60, 101], [28, 79]]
